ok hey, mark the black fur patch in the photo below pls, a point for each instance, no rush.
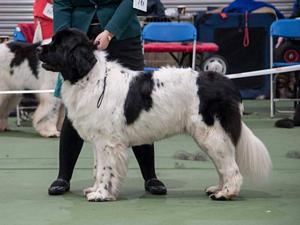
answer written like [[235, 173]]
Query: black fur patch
[[24, 51], [220, 98], [138, 97]]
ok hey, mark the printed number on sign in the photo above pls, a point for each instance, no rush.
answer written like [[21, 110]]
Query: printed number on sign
[[48, 10], [140, 4]]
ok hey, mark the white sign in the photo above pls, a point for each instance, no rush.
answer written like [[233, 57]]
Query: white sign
[[140, 4], [48, 10]]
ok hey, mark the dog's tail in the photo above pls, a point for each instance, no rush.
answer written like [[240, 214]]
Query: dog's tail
[[252, 156]]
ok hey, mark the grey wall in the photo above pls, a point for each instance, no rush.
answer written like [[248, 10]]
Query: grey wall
[[17, 11]]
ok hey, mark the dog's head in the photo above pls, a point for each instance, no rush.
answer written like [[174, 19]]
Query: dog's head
[[70, 52]]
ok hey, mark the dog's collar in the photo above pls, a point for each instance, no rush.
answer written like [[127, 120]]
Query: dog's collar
[[104, 86]]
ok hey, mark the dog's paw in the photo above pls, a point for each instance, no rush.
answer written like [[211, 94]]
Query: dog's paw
[[211, 190], [221, 196], [3, 127], [55, 134], [99, 196], [88, 190], [49, 134], [218, 198]]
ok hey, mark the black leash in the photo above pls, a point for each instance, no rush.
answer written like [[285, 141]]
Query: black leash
[[104, 86]]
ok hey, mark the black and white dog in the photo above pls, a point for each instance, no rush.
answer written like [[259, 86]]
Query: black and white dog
[[115, 108], [20, 69]]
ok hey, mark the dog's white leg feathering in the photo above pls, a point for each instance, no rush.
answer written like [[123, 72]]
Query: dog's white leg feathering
[[111, 169], [95, 162], [7, 104], [46, 116], [219, 147], [93, 188], [252, 156]]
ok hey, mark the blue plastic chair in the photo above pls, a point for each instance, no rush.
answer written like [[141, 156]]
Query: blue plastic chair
[[286, 28], [18, 35], [171, 32]]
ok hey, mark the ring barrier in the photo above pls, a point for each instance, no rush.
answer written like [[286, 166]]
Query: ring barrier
[[27, 92], [284, 69]]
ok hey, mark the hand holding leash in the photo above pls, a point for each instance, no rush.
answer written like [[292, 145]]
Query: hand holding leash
[[103, 39]]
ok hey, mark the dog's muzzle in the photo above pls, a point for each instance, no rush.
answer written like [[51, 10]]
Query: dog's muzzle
[[45, 64]]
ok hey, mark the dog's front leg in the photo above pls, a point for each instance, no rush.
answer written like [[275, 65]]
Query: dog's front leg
[[93, 188], [95, 162], [88, 190], [111, 159]]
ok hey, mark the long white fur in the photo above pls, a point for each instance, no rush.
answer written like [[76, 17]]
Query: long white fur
[[252, 156], [46, 119], [174, 110]]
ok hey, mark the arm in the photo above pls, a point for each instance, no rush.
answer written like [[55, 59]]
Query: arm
[[121, 19], [62, 14], [117, 24]]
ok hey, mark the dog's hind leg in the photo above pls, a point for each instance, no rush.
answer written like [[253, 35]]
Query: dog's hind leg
[[46, 115], [7, 104], [219, 147], [111, 168], [3, 112]]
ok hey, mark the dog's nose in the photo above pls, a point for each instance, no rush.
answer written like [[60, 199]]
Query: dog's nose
[[39, 50]]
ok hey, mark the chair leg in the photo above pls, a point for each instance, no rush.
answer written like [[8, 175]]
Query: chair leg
[[272, 105], [18, 115]]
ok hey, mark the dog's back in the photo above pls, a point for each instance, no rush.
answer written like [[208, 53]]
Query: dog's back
[[19, 70], [178, 96], [19, 64]]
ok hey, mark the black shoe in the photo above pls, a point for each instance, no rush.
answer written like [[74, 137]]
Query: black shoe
[[285, 123], [59, 187], [155, 187]]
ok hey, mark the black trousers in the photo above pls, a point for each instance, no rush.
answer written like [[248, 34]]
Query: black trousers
[[129, 54]]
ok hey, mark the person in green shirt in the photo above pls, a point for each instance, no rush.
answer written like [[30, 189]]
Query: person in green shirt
[[114, 27]]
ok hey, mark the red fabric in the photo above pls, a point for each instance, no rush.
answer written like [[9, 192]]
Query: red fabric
[[46, 26], [180, 47], [28, 30], [38, 8], [46, 22]]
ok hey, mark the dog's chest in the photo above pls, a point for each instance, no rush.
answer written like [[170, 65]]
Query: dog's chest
[[90, 118]]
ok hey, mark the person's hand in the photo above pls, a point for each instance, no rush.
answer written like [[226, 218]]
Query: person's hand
[[103, 39]]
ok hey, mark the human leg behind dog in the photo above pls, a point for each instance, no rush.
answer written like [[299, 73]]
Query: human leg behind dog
[[287, 122], [129, 54]]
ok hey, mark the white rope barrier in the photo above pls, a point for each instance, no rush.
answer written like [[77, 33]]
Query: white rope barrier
[[256, 73], [284, 69], [27, 92]]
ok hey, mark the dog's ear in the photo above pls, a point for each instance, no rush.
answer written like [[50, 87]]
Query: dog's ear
[[84, 59], [80, 61]]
